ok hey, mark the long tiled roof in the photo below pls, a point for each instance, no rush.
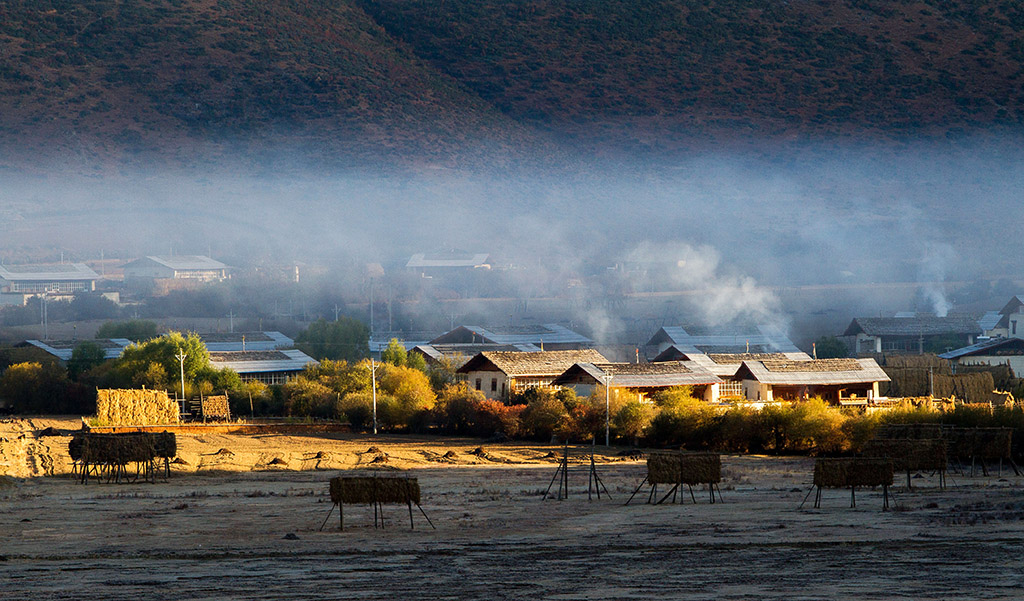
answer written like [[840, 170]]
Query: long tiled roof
[[254, 341], [62, 349], [643, 375], [726, 364], [921, 325], [814, 372], [544, 363]]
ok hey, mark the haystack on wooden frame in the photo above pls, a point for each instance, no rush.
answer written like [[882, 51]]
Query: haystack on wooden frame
[[909, 455], [678, 468], [135, 407], [119, 458], [376, 491], [851, 472], [984, 444], [594, 482], [215, 407]]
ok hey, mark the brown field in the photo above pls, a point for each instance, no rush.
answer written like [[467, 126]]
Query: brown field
[[237, 524]]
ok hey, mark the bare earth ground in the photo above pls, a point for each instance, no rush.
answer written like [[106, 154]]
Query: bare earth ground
[[237, 525]]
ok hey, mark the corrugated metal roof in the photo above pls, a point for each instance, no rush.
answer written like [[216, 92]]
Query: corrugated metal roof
[[248, 362], [549, 333], [254, 341], [983, 347], [187, 262], [764, 337], [45, 273], [989, 320], [62, 349], [814, 372]]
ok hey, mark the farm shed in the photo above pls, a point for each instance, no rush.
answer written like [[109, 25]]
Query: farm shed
[[499, 373], [19, 282], [997, 351], [909, 334], [838, 381], [550, 337], [739, 339], [269, 367], [641, 379]]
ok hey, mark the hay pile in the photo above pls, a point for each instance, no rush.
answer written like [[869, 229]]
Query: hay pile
[[372, 489], [980, 443], [684, 468], [910, 454], [215, 407], [135, 407], [852, 472], [121, 449]]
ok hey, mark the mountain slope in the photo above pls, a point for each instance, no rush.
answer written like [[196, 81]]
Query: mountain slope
[[102, 83]]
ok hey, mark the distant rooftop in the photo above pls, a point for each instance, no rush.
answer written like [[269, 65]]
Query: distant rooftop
[[187, 262], [249, 362], [452, 260], [550, 333], [60, 271], [919, 325], [729, 339]]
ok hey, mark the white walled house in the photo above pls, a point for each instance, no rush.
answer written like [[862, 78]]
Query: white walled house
[[837, 381], [909, 334], [641, 379], [498, 374]]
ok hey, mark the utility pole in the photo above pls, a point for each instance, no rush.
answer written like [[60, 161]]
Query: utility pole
[[181, 361], [373, 381], [607, 410]]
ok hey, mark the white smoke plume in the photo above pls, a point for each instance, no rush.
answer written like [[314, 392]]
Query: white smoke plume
[[933, 275]]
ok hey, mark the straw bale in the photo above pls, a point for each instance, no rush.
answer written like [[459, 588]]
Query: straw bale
[[216, 407], [854, 471], [908, 454], [684, 468], [135, 407], [367, 489]]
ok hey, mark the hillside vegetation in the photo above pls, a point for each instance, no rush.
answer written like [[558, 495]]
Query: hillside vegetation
[[428, 80]]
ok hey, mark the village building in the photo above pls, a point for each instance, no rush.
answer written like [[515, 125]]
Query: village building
[[725, 365], [62, 349], [500, 373], [269, 367], [750, 339], [446, 262], [436, 353], [548, 337], [911, 333], [992, 352], [62, 281], [245, 341], [640, 379], [1008, 322], [837, 381], [163, 273]]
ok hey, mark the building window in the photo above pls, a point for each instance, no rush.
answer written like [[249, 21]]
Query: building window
[[1013, 324], [494, 384], [478, 383]]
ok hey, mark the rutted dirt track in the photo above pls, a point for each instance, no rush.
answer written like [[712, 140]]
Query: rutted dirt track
[[236, 525]]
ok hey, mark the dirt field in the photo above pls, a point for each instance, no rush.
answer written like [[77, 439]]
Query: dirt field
[[233, 523]]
